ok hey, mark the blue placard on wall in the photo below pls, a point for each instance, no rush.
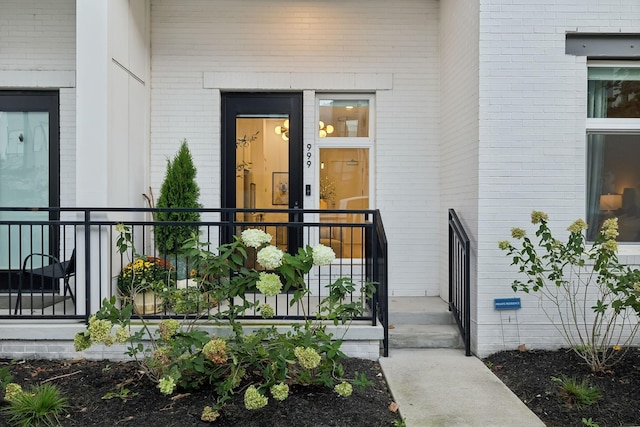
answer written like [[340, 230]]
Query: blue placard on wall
[[506, 303]]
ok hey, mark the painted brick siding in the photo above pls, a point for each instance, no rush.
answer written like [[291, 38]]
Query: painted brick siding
[[37, 36], [532, 138], [459, 126], [399, 38]]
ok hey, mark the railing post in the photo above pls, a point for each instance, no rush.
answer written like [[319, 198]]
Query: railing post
[[87, 263]]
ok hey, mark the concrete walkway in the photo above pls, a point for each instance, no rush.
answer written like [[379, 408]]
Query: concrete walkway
[[443, 387]]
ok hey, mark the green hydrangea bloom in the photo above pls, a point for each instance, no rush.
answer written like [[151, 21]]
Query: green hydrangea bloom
[[167, 385], [504, 245], [538, 216], [12, 392], [81, 341], [610, 245], [122, 335], [577, 226], [209, 415], [280, 391], [308, 357], [518, 233], [343, 389], [269, 284], [168, 328], [253, 399], [266, 311], [216, 350], [100, 331]]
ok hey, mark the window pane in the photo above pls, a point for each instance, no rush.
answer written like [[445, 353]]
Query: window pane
[[344, 184], [344, 118], [614, 92], [613, 183]]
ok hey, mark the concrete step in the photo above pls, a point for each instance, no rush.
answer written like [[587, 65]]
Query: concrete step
[[425, 336], [422, 322], [419, 311]]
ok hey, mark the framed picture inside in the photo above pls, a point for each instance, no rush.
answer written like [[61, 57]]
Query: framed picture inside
[[280, 188]]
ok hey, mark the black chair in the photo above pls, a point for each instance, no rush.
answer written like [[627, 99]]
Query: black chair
[[55, 270]]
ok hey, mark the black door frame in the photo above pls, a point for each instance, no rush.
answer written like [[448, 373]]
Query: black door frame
[[45, 101], [267, 103]]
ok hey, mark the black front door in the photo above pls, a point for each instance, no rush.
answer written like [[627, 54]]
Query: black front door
[[262, 161]]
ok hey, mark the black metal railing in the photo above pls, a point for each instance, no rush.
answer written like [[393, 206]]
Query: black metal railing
[[459, 278], [357, 237]]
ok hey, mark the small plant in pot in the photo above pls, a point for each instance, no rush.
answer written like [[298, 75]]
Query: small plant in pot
[[179, 190], [145, 281]]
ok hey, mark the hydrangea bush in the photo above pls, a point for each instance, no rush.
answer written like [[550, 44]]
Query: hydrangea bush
[[179, 355], [591, 293]]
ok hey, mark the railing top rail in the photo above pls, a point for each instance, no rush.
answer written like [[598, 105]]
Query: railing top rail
[[455, 223], [202, 210]]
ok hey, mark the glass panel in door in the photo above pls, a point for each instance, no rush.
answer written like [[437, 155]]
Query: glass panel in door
[[344, 185], [262, 172], [24, 182]]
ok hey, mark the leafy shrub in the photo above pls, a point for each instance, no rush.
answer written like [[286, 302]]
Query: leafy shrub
[[179, 355], [588, 288]]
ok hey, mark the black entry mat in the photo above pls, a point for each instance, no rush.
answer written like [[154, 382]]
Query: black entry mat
[[31, 301]]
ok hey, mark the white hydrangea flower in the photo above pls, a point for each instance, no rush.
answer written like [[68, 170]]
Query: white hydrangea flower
[[270, 257], [255, 238], [323, 255]]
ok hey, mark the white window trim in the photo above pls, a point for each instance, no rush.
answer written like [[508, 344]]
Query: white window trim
[[347, 142]]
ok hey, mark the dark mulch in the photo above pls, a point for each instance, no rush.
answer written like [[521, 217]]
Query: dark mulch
[[528, 374], [85, 383]]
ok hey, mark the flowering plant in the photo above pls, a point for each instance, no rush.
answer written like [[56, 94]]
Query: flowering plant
[[179, 355], [587, 286], [146, 273]]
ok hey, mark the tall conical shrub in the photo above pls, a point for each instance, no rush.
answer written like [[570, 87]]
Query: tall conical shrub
[[179, 190]]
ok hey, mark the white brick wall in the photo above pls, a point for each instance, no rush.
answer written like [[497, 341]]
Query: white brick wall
[[37, 50], [459, 128], [400, 38], [532, 137]]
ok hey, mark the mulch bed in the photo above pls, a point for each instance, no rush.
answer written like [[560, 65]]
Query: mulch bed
[[528, 374], [85, 383]]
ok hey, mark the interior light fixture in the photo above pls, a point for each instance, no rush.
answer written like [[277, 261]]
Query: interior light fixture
[[610, 202], [324, 129], [283, 130]]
